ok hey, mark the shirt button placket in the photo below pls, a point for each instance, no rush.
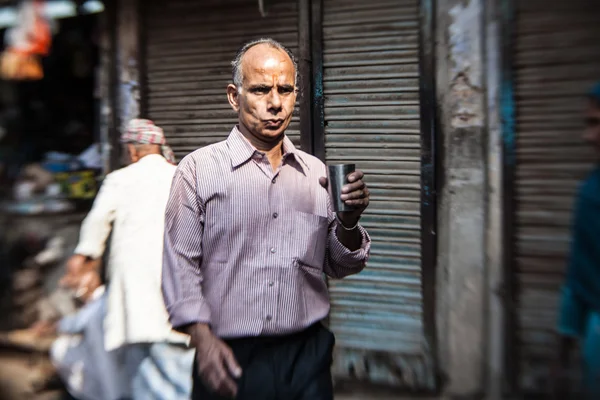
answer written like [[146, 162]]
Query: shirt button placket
[[270, 311], [271, 293], [271, 287]]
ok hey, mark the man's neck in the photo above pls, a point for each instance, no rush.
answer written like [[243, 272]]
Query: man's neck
[[272, 149], [150, 153]]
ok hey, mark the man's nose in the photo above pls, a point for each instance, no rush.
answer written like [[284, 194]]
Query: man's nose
[[275, 101]]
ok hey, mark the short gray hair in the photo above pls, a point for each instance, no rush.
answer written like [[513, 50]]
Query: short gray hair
[[237, 74]]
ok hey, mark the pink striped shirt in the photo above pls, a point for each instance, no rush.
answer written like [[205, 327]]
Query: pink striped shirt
[[246, 247]]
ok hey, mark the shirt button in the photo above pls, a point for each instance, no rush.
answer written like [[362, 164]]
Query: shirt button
[[269, 317], [273, 250], [271, 283], [274, 180], [275, 215]]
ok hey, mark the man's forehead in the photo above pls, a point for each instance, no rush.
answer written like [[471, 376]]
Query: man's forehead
[[281, 76], [263, 51], [263, 60]]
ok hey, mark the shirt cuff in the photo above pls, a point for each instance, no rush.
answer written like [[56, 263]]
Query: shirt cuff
[[341, 255], [88, 250], [189, 311]]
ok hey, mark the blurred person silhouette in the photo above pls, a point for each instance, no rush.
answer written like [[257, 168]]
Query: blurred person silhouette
[[131, 203], [579, 312], [88, 371]]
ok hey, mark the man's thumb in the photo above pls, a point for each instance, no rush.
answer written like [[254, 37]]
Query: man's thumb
[[323, 181]]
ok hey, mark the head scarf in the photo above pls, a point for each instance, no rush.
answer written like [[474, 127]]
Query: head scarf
[[143, 131]]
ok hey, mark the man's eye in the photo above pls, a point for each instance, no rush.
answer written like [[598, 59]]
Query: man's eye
[[285, 91], [261, 90]]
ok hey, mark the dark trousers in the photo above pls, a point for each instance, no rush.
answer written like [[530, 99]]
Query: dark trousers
[[293, 367]]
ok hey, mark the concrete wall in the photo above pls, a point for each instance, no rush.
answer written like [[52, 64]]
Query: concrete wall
[[128, 61], [494, 312], [119, 76], [469, 215]]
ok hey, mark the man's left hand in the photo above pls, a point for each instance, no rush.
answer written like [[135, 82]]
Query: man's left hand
[[44, 328], [354, 194]]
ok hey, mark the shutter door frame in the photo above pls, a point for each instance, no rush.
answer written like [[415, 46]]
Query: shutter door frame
[[428, 168], [507, 101], [532, 292], [429, 173]]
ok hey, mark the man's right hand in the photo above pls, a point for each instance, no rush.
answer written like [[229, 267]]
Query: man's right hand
[[43, 328], [74, 268], [217, 365]]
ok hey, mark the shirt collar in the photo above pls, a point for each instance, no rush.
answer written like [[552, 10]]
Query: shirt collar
[[241, 150], [152, 158]]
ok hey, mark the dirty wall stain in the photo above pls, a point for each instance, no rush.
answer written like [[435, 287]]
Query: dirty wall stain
[[465, 51]]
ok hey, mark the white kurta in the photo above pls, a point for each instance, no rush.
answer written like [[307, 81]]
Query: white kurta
[[132, 202]]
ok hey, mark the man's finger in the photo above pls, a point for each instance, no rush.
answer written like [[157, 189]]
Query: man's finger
[[232, 365], [355, 176], [352, 187], [223, 384], [357, 194], [361, 203], [228, 387], [211, 381], [323, 181]]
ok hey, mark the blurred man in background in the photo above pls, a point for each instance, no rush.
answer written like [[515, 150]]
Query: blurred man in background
[[132, 203], [579, 317]]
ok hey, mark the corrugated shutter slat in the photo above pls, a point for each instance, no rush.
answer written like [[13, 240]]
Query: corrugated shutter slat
[[371, 90], [190, 45]]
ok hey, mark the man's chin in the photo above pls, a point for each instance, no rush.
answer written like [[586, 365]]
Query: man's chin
[[272, 134]]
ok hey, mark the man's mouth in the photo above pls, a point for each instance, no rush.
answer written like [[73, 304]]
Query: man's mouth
[[273, 123]]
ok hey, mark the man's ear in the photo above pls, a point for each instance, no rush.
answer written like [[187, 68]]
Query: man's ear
[[233, 97], [133, 154]]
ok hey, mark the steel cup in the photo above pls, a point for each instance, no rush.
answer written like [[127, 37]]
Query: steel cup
[[338, 177]]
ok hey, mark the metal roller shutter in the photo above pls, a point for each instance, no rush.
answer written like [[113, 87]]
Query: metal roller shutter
[[371, 90], [189, 47], [555, 60]]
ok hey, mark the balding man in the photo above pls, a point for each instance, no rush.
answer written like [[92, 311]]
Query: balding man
[[249, 232]]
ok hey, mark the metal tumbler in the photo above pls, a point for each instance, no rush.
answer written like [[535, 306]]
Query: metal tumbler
[[338, 177]]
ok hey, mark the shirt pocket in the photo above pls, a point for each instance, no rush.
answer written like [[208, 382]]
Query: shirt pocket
[[309, 197], [310, 237], [314, 287]]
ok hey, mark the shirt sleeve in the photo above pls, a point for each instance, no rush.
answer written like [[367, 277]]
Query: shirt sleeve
[[77, 323], [339, 260], [182, 257], [97, 224]]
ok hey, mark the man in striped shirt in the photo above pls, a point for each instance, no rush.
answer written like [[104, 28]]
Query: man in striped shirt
[[249, 232]]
